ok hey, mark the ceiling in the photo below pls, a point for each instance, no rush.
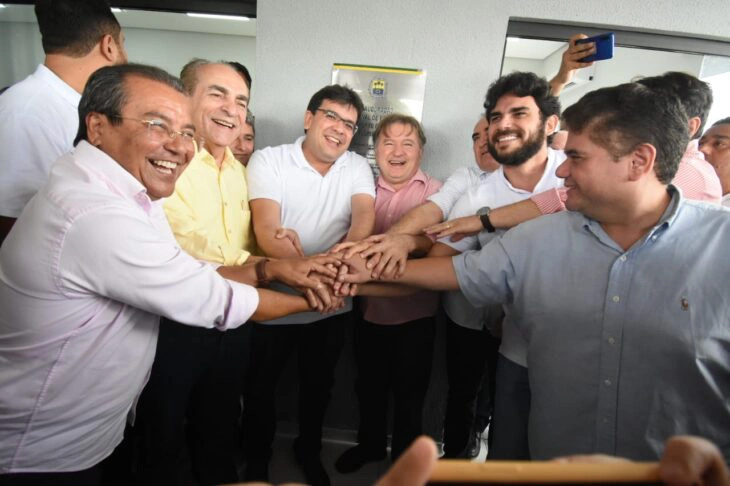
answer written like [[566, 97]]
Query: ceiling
[[228, 7], [144, 19], [531, 48]]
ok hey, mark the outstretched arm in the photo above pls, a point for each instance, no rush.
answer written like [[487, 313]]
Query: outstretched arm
[[571, 62]]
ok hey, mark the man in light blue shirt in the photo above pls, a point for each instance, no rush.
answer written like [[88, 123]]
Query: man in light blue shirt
[[621, 299]]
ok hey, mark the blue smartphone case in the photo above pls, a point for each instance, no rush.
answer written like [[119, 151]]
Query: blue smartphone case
[[604, 47]]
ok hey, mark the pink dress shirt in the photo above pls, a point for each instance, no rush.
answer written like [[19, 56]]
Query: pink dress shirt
[[390, 206], [87, 269], [695, 177]]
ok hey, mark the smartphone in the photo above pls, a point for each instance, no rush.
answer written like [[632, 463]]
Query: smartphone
[[604, 47]]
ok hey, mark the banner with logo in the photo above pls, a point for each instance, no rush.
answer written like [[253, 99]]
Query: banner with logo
[[383, 90]]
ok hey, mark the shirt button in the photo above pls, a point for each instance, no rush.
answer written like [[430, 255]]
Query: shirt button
[[615, 298], [607, 382], [225, 204], [229, 232], [653, 237], [623, 258], [604, 420], [611, 340]]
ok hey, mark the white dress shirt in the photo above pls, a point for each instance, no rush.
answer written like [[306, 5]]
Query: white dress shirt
[[84, 274], [318, 207], [38, 123], [494, 192]]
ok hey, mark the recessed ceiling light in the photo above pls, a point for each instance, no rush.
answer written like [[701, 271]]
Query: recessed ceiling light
[[219, 17], [118, 10]]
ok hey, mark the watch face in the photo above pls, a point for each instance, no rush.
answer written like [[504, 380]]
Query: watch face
[[483, 211]]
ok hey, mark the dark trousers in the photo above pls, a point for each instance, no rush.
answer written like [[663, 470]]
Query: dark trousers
[[319, 345], [397, 359], [468, 352], [195, 378], [511, 412]]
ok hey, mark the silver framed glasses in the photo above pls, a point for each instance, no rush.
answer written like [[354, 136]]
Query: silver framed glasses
[[158, 131]]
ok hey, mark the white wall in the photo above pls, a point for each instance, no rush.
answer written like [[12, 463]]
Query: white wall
[[21, 50], [460, 43], [627, 64]]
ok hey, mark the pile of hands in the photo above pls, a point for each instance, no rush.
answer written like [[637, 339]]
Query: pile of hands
[[326, 279]]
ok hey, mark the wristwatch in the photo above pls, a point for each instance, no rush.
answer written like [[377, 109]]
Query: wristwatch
[[483, 214]]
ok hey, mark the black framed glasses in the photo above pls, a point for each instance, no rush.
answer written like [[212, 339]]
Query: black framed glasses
[[333, 116]]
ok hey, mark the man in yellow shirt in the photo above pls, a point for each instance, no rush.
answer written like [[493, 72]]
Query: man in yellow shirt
[[197, 373]]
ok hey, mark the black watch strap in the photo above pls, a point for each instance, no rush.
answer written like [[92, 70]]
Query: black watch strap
[[483, 214]]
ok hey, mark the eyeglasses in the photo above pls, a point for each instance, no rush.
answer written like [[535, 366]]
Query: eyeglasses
[[159, 132], [332, 116]]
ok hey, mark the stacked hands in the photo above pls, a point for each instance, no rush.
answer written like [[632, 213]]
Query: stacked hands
[[326, 279]]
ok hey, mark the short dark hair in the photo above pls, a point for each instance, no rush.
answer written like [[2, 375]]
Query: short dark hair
[[724, 121], [189, 72], [523, 84], [105, 92], [694, 95], [74, 27], [338, 94], [251, 120], [622, 117], [242, 70], [392, 118]]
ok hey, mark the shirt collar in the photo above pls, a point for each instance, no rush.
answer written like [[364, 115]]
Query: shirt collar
[[114, 175], [665, 221], [58, 85], [418, 177], [301, 160], [205, 157]]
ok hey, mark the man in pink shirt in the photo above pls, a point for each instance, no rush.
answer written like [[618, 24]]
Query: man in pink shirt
[[394, 339]]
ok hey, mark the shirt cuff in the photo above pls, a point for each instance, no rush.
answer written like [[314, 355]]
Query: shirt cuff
[[551, 201]]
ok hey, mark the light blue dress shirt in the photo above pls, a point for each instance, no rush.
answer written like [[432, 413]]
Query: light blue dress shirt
[[624, 348]]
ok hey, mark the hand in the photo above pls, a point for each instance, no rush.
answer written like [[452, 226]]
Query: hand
[[413, 468], [323, 300], [456, 228], [357, 271], [693, 460], [388, 254], [686, 461], [349, 248], [298, 272], [344, 289], [571, 62], [292, 236]]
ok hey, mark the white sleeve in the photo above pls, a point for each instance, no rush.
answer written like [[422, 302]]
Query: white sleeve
[[362, 177], [29, 150], [262, 176], [454, 187], [117, 253], [464, 206]]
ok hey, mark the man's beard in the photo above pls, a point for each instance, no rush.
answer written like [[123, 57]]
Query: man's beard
[[522, 154]]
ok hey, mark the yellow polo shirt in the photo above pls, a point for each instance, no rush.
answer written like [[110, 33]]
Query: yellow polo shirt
[[209, 211]]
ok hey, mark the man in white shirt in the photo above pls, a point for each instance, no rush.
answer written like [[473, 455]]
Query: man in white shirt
[[38, 116], [522, 112], [88, 270], [325, 194], [715, 144]]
